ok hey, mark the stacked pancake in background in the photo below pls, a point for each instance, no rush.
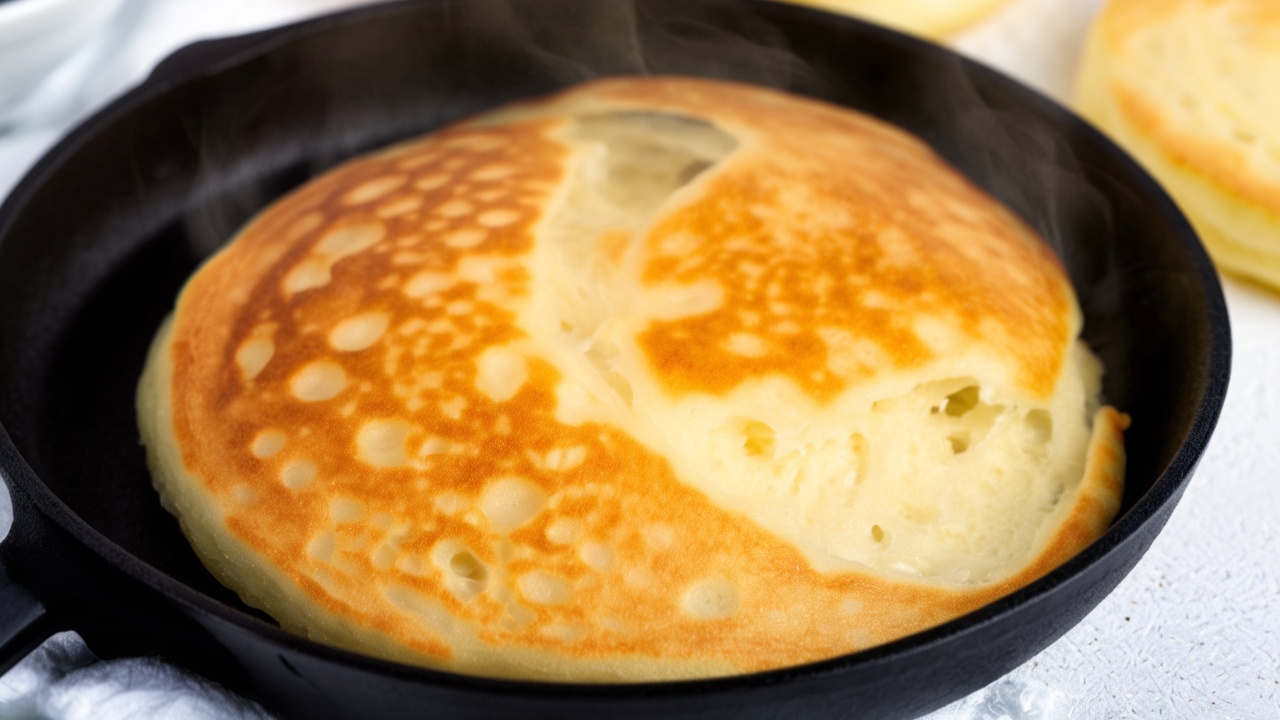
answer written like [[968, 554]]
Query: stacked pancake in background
[[930, 18], [1192, 89], [644, 380]]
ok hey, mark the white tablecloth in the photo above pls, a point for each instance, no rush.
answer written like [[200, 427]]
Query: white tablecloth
[[1193, 632]]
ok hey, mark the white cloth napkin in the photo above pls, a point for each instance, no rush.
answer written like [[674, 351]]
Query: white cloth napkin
[[63, 680], [1194, 632]]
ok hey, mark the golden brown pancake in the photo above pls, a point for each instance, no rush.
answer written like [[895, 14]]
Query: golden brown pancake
[[1189, 87], [655, 378]]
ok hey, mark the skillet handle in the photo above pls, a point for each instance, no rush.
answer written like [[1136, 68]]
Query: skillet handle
[[24, 620], [50, 582], [206, 57]]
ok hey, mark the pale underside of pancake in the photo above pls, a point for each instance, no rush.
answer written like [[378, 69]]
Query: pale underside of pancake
[[930, 18], [1189, 87], [655, 378]]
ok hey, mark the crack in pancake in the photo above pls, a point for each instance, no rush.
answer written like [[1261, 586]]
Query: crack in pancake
[[655, 378]]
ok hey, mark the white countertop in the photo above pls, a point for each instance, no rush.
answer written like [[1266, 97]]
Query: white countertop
[[1193, 632]]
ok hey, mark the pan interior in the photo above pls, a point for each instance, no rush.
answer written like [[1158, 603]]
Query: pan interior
[[96, 252]]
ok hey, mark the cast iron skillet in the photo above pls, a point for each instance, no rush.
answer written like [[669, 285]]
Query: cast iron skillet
[[98, 238]]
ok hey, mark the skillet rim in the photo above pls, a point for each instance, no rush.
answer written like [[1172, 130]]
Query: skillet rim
[[1165, 490]]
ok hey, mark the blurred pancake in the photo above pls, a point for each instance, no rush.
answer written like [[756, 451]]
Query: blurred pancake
[[654, 378], [931, 18], [1189, 87]]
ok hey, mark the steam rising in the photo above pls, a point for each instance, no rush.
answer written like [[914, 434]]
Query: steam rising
[[577, 41], [1027, 164], [271, 123]]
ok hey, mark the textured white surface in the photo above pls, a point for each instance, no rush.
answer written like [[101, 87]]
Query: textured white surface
[[1036, 41], [1193, 632]]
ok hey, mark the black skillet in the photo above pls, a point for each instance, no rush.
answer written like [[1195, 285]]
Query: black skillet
[[98, 238]]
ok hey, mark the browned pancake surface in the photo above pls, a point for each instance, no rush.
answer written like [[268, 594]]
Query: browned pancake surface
[[330, 395]]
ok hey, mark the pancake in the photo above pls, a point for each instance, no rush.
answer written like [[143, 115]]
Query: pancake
[[655, 378], [1187, 87], [930, 18]]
